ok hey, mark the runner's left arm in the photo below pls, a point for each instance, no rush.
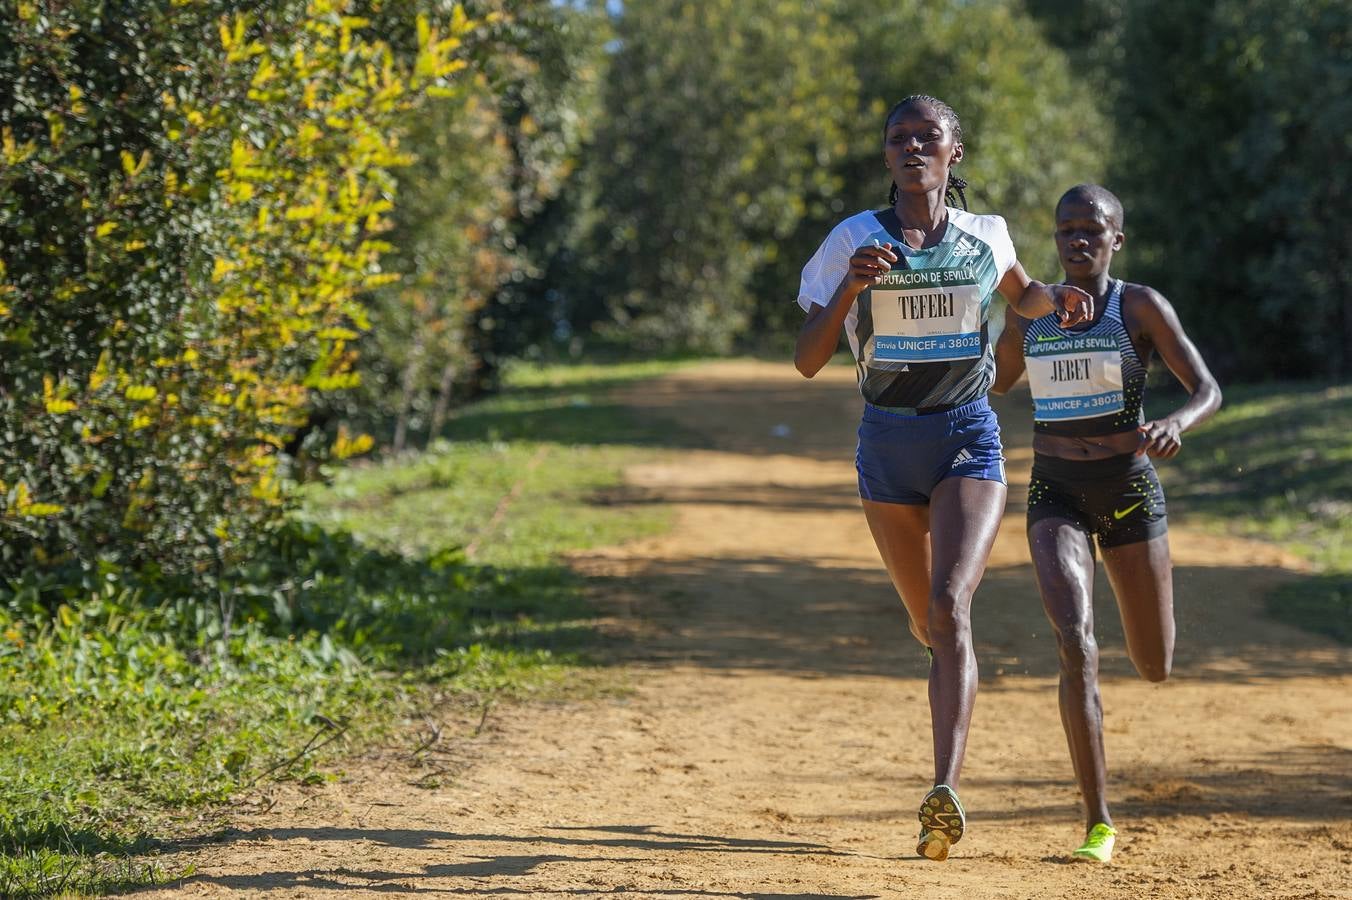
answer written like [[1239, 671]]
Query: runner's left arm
[[1159, 323]]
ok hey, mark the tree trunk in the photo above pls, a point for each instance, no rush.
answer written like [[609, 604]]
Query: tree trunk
[[406, 387], [443, 403]]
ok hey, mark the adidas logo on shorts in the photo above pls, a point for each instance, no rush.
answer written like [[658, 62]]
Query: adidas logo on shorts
[[962, 457], [966, 248]]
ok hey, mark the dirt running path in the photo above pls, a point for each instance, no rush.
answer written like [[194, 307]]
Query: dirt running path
[[777, 742]]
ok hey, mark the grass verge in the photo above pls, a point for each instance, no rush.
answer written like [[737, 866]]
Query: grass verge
[[1276, 463], [440, 571]]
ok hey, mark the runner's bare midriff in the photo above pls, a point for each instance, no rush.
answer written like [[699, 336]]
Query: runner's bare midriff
[[1098, 446]]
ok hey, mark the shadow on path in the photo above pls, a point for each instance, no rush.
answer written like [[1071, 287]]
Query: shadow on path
[[839, 619], [801, 613], [656, 843], [1309, 784]]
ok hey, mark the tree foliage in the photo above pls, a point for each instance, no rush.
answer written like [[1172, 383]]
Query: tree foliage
[[472, 232], [191, 206], [1232, 141], [199, 242], [721, 127], [734, 135]]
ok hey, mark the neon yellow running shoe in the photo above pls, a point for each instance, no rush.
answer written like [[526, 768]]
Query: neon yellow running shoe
[[942, 822], [1098, 846]]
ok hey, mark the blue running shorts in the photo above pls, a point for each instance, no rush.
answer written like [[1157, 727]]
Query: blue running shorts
[[902, 458]]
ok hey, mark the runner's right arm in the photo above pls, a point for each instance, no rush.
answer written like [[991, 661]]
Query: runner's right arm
[[1009, 363], [820, 334]]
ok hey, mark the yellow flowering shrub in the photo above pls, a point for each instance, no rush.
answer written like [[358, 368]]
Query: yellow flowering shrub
[[192, 205]]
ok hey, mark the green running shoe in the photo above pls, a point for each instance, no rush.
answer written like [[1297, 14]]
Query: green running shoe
[[1098, 846], [942, 822]]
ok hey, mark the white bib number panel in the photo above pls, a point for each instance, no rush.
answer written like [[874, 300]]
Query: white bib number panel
[[1075, 384], [926, 315]]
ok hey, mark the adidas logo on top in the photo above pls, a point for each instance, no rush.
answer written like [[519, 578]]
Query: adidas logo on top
[[966, 248]]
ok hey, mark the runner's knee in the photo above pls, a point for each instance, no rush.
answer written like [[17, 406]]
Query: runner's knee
[[1078, 649], [921, 634], [1156, 669], [949, 615], [1152, 655]]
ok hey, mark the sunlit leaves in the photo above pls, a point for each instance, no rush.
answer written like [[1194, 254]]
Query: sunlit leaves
[[21, 503], [179, 278], [347, 446], [464, 238], [54, 398], [141, 392]]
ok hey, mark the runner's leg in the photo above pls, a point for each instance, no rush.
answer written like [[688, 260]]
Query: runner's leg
[[964, 518], [1063, 560], [1142, 578], [901, 531]]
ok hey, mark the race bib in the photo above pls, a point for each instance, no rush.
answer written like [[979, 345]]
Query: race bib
[[1074, 377], [926, 315]]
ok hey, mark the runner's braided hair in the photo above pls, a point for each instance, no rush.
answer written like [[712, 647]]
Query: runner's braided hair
[[955, 192]]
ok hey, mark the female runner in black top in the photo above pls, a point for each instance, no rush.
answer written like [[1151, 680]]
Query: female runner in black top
[[1092, 475]]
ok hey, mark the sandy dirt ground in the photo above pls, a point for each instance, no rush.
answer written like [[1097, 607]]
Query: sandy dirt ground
[[776, 740]]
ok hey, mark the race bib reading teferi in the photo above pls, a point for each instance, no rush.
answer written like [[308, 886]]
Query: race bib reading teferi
[[926, 315], [1074, 377]]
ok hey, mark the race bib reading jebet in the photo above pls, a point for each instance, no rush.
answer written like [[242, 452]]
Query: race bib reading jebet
[[1074, 377], [926, 315]]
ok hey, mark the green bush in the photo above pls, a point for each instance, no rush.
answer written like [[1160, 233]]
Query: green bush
[[479, 223], [192, 203], [115, 711]]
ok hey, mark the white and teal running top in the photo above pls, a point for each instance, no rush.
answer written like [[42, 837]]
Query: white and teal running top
[[1085, 382], [919, 337]]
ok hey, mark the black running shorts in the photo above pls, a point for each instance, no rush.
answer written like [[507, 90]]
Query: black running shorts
[[1119, 499]]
